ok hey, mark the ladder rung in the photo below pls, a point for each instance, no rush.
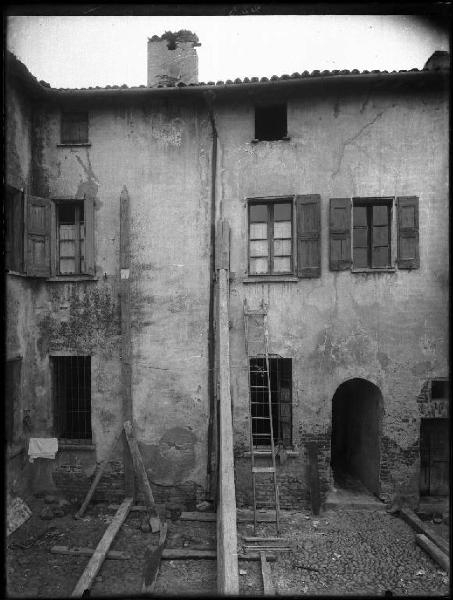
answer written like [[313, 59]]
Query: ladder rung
[[261, 419], [259, 387], [263, 470]]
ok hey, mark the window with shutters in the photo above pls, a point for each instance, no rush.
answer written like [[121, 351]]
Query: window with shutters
[[371, 234], [74, 128], [70, 238], [270, 122], [14, 238], [271, 237], [280, 376]]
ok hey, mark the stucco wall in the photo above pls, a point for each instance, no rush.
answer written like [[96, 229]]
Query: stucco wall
[[388, 328]]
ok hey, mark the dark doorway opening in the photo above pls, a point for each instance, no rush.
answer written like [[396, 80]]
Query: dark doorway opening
[[434, 457], [355, 447]]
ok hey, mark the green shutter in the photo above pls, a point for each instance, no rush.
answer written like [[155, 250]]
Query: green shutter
[[38, 237], [408, 237], [308, 215], [340, 234]]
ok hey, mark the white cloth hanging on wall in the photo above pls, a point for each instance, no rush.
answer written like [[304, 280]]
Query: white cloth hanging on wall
[[42, 448]]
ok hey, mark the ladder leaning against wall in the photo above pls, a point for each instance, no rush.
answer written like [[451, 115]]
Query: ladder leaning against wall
[[258, 347]]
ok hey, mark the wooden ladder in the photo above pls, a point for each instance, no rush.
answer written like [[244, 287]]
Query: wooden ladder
[[259, 348]]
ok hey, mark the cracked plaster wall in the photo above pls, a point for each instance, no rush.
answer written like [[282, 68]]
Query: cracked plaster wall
[[388, 328]]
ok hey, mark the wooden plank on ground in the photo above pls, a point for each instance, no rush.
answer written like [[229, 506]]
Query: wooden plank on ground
[[273, 548], [95, 562], [199, 554], [434, 552], [99, 474], [76, 551], [152, 561], [419, 526], [263, 539], [142, 476], [268, 587]]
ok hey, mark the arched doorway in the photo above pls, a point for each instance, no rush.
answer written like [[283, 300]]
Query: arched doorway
[[356, 422]]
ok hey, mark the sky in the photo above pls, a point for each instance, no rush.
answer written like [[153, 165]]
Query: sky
[[83, 51]]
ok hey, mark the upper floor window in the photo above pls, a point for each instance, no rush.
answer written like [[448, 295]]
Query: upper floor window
[[70, 237], [74, 128], [371, 233], [270, 122], [271, 237]]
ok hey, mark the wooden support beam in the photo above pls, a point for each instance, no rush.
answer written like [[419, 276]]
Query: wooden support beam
[[79, 514], [95, 562], [152, 562], [125, 309], [76, 551], [434, 552], [419, 526], [227, 560], [268, 588], [142, 476]]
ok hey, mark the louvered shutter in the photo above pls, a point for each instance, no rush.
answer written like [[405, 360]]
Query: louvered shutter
[[38, 237], [408, 237], [308, 219], [340, 234], [89, 236]]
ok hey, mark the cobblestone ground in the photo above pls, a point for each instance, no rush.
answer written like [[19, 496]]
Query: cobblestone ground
[[353, 552]]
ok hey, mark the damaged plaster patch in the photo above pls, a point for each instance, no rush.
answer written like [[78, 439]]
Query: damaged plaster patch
[[168, 134], [88, 188], [173, 459]]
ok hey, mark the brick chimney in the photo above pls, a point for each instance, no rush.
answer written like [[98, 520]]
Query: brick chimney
[[172, 57]]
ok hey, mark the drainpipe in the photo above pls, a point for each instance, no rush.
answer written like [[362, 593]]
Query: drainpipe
[[212, 439]]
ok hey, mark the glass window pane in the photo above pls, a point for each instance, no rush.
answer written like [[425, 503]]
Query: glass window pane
[[67, 249], [282, 265], [360, 237], [359, 215], [259, 248], [282, 229], [258, 212], [380, 215], [380, 256], [282, 212], [259, 265], [67, 232], [258, 231], [67, 265], [282, 247], [380, 236], [360, 257]]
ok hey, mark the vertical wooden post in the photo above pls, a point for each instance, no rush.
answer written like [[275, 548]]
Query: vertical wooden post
[[227, 560], [126, 370]]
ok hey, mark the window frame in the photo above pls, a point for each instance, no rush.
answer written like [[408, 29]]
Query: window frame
[[270, 202], [65, 116], [370, 201], [77, 241]]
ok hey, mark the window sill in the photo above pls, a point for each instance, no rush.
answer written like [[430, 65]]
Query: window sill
[[63, 445], [286, 138], [267, 453], [77, 144], [386, 270], [271, 279], [16, 273], [71, 278]]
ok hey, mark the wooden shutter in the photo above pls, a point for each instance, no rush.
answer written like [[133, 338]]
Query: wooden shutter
[[38, 237], [308, 215], [89, 236], [408, 246], [340, 234]]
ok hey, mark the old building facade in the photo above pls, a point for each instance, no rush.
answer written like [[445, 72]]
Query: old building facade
[[335, 188]]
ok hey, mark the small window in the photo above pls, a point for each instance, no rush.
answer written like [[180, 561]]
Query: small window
[[371, 233], [270, 122], [280, 374], [74, 128], [440, 389], [70, 238], [12, 395], [71, 382], [14, 215], [271, 238]]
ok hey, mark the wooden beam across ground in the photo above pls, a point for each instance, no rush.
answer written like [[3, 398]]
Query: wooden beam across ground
[[202, 554], [95, 562], [268, 587], [76, 551], [419, 526], [263, 539], [434, 552]]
